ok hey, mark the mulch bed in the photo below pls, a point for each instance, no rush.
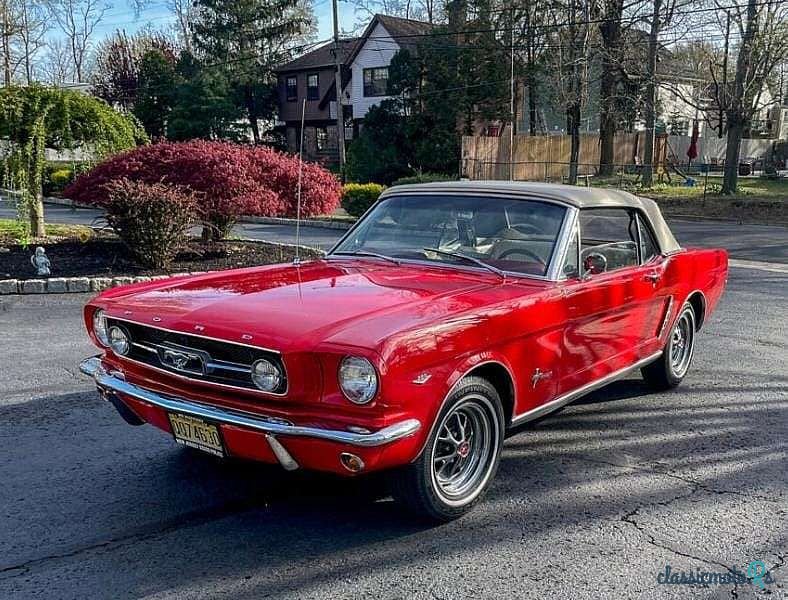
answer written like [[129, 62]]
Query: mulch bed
[[107, 256]]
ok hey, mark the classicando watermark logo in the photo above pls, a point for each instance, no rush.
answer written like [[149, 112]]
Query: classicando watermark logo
[[757, 574]]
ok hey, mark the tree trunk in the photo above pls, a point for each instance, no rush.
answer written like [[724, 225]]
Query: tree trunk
[[37, 215], [573, 125], [610, 31], [743, 102], [730, 177], [651, 97], [533, 104]]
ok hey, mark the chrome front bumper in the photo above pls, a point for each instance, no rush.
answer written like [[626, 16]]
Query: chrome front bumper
[[113, 382]]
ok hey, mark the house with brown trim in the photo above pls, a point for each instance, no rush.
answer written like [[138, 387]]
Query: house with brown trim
[[311, 77]]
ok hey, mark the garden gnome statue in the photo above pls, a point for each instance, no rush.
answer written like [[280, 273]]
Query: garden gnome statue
[[40, 261]]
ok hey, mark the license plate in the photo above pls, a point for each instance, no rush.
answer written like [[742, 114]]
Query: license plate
[[196, 433]]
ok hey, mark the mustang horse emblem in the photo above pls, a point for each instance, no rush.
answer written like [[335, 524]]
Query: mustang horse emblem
[[181, 361]]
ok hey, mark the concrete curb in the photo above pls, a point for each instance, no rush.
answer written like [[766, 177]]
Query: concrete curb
[[342, 225], [73, 285]]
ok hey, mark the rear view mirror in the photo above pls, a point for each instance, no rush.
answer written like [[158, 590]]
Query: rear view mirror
[[594, 263]]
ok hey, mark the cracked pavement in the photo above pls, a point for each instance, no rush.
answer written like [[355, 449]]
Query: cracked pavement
[[592, 502]]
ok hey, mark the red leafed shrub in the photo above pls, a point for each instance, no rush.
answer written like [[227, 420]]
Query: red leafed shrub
[[320, 190], [229, 179], [152, 219]]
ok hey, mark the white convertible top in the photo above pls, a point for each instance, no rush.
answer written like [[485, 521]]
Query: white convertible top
[[579, 197]]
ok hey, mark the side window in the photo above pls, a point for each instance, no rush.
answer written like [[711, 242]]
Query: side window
[[648, 247], [611, 236]]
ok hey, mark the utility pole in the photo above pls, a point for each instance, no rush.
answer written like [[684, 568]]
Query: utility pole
[[338, 85]]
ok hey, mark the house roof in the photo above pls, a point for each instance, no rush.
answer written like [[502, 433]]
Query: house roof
[[322, 56], [406, 32]]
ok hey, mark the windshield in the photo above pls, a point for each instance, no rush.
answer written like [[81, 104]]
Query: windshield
[[506, 234]]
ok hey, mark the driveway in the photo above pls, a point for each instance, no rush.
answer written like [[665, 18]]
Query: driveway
[[765, 243], [594, 502]]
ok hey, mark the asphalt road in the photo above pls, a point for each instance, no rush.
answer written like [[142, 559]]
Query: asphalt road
[[591, 503], [767, 243]]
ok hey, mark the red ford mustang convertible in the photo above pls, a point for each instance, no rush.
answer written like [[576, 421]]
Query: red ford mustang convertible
[[447, 315]]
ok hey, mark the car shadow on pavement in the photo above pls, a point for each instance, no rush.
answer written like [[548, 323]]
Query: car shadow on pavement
[[176, 518]]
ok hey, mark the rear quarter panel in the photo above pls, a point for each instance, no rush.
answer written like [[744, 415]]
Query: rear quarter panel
[[697, 270]]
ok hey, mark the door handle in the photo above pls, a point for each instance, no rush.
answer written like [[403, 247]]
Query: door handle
[[653, 277]]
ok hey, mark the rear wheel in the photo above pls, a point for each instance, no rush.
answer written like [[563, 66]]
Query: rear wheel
[[460, 457], [669, 369]]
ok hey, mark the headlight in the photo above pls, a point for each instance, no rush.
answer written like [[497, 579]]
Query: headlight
[[358, 379], [100, 327], [119, 341], [266, 375]]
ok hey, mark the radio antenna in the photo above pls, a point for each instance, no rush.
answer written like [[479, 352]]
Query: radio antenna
[[297, 259]]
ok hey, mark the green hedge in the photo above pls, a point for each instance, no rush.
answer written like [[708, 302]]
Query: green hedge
[[358, 197], [423, 178]]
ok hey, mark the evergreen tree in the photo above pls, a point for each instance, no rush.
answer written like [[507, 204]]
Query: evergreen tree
[[247, 39], [203, 105], [156, 94]]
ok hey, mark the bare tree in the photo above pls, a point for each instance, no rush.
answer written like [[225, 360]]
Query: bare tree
[[56, 67], [78, 20], [569, 68], [620, 68], [185, 13], [33, 27], [9, 29], [763, 28], [662, 13]]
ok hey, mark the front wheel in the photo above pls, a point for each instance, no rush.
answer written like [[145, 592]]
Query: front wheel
[[460, 457], [669, 369]]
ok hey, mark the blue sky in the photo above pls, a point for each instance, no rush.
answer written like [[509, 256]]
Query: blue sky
[[121, 16]]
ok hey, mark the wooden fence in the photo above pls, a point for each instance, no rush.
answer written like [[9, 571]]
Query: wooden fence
[[540, 158], [546, 158]]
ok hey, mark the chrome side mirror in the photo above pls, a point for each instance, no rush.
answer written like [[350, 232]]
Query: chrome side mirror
[[594, 264]]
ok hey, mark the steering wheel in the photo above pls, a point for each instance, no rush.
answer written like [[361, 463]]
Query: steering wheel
[[525, 252]]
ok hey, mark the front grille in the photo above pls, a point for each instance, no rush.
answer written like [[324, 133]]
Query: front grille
[[196, 357]]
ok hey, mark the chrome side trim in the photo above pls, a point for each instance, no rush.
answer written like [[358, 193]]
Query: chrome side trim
[[544, 409], [269, 425]]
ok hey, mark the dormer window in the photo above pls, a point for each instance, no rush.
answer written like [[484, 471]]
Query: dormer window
[[312, 87], [376, 81], [291, 88]]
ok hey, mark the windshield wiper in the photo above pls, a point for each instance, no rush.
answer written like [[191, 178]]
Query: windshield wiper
[[366, 253], [475, 261]]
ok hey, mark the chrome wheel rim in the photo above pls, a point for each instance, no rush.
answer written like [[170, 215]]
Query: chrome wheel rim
[[681, 342], [463, 453]]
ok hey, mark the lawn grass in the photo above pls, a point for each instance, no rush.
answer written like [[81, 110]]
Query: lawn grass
[[11, 232], [755, 188]]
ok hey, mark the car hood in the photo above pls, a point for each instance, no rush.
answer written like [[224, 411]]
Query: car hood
[[356, 302]]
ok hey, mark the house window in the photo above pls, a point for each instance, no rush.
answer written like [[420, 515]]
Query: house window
[[321, 137], [312, 87], [291, 88], [376, 81]]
